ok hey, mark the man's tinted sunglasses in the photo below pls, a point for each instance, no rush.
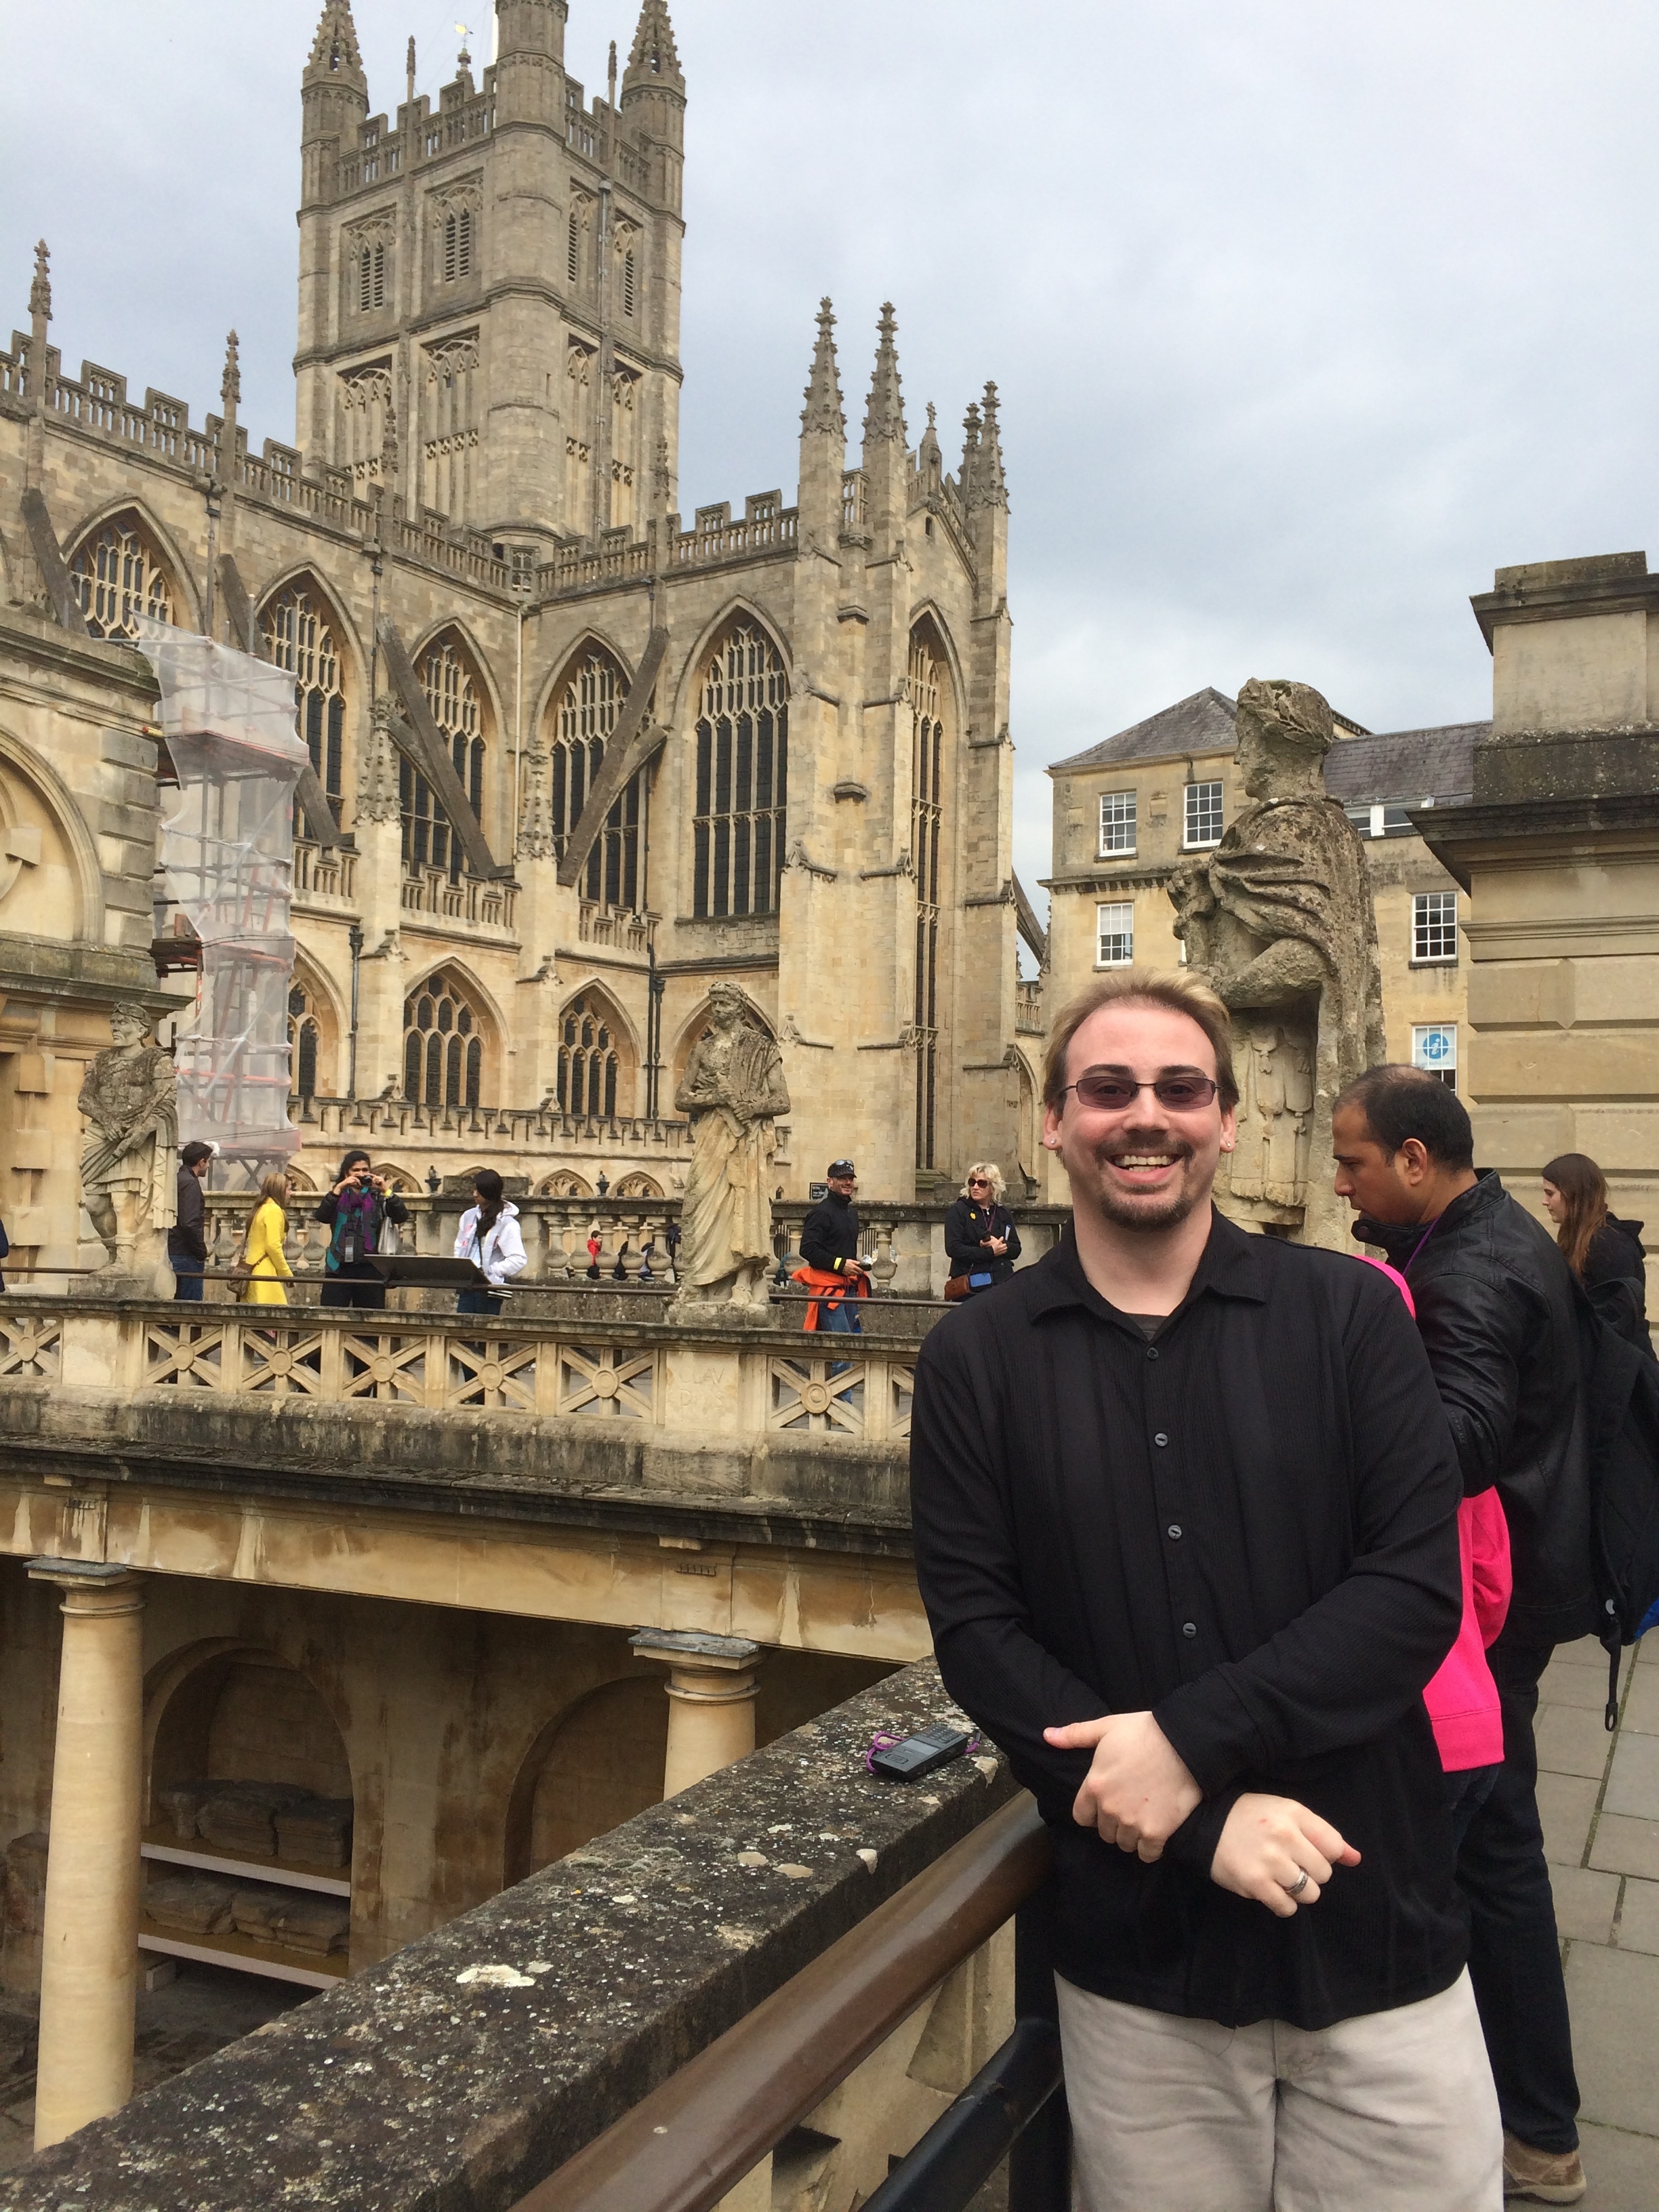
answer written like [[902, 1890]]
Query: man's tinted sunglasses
[[1110, 1093]]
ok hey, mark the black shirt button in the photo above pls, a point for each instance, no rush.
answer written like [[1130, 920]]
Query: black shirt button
[[1160, 1438], [1189, 1628], [1151, 1351], [1174, 1530]]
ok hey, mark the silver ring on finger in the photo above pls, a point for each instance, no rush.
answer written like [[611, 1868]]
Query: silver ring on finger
[[1295, 1888]]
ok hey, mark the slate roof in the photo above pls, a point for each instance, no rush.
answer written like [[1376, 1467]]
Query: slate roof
[[1202, 724], [1400, 766], [1405, 766]]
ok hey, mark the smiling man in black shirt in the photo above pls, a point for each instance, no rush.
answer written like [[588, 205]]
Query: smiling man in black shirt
[[1185, 1506]]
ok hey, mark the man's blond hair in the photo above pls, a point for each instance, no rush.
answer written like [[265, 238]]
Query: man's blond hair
[[1151, 986]]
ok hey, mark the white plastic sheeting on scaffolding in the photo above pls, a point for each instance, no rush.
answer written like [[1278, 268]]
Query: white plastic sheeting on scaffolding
[[227, 858]]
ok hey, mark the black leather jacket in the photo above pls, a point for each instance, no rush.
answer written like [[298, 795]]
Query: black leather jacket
[[1495, 1304]]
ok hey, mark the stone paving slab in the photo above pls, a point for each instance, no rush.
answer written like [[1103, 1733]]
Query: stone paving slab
[[1626, 1846], [1573, 1739], [1566, 1805], [1633, 1778], [1639, 1931], [1586, 1903], [1622, 2168], [1614, 1998], [1642, 1707]]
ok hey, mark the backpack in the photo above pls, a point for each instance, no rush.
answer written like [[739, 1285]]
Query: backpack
[[1622, 1390]]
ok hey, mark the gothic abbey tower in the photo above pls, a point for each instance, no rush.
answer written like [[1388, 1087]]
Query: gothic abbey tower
[[489, 291], [577, 755]]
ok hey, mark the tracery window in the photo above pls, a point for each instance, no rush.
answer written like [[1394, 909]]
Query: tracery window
[[299, 636], [628, 281], [743, 744], [452, 696], [449, 425], [583, 715], [587, 1061], [457, 244], [443, 1047], [928, 681], [371, 276], [117, 574], [305, 1037], [366, 414]]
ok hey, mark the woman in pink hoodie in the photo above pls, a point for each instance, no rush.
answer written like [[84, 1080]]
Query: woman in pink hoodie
[[1463, 1698]]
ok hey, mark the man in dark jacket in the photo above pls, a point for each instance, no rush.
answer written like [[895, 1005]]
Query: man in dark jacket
[[1495, 1304], [1185, 1507], [187, 1238]]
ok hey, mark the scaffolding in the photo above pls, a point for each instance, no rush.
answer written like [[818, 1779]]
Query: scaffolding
[[227, 861]]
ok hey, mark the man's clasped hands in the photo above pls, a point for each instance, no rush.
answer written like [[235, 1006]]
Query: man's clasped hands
[[1139, 1791]]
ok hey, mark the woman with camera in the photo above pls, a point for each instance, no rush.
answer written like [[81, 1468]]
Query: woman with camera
[[358, 1211]]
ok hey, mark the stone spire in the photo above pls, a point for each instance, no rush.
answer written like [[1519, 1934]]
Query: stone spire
[[990, 486], [883, 417], [334, 51], [970, 438], [389, 455], [536, 819], [823, 412], [378, 797], [408, 70], [652, 60], [230, 385], [40, 316], [930, 464], [41, 290]]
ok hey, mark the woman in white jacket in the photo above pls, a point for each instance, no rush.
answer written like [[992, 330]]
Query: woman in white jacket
[[490, 1236]]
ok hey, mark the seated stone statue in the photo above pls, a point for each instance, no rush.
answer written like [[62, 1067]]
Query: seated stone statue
[[128, 1170], [1280, 919], [732, 1092]]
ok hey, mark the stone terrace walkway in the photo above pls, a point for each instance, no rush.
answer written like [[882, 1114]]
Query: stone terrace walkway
[[1600, 1800]]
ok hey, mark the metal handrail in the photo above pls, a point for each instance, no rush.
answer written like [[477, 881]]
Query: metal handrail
[[962, 2150], [694, 2137]]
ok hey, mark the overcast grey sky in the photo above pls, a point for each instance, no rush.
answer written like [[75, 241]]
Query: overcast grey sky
[[1305, 314]]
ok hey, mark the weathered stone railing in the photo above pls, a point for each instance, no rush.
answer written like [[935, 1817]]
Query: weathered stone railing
[[469, 900], [1029, 1019], [903, 1244], [324, 873], [597, 1365], [466, 2067], [765, 528], [627, 932], [378, 1122]]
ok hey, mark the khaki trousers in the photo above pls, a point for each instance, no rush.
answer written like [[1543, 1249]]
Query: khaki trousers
[[1393, 2111]]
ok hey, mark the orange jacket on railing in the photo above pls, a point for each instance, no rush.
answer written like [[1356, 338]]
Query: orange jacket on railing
[[828, 1291]]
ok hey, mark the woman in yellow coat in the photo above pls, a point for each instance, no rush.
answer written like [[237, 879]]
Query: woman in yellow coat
[[263, 1251]]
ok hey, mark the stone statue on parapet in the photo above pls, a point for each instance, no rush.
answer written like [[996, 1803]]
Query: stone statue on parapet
[[732, 1092], [128, 1167], [1279, 918]]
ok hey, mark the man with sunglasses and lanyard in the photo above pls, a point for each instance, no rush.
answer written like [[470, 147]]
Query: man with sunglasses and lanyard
[[1185, 1506]]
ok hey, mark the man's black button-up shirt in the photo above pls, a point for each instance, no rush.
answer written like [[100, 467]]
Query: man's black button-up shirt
[[1248, 1528]]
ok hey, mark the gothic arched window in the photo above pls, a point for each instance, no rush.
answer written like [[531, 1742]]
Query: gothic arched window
[[454, 695], [582, 714], [299, 635], [305, 1036], [117, 574], [587, 1061], [743, 745], [443, 1047], [929, 684]]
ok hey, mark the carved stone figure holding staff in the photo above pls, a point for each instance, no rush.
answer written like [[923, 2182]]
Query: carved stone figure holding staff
[[732, 1092], [130, 1102]]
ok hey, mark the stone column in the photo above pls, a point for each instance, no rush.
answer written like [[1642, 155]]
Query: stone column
[[711, 1700], [88, 1979]]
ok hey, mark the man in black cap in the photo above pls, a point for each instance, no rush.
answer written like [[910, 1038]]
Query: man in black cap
[[829, 1243]]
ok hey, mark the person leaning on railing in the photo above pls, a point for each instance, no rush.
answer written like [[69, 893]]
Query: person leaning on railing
[[1184, 1505], [830, 1251], [357, 1211], [980, 1241]]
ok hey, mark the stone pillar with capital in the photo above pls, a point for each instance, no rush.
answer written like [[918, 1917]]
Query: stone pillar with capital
[[89, 1982], [711, 1700]]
